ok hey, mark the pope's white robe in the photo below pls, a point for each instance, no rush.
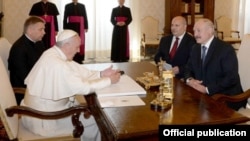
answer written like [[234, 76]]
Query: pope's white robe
[[51, 86]]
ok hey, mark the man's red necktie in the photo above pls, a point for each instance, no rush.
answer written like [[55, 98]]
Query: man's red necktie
[[174, 48]]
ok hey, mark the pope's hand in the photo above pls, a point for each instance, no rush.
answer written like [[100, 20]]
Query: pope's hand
[[108, 71]]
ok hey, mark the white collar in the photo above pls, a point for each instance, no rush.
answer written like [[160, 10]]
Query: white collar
[[207, 44]]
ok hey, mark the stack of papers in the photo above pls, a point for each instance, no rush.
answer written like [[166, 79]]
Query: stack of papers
[[126, 86], [123, 93], [120, 101]]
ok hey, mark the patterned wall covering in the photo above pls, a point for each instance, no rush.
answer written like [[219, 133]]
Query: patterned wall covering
[[1, 5], [229, 8], [15, 13], [154, 8]]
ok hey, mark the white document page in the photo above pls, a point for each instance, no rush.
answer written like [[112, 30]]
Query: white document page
[[167, 66], [120, 101], [126, 86]]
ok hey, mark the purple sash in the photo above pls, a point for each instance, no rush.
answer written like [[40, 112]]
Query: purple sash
[[50, 19], [123, 19], [80, 20]]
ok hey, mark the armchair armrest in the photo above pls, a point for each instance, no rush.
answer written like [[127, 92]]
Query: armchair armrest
[[160, 35], [237, 32], [74, 111], [220, 33], [143, 37], [19, 90], [234, 98]]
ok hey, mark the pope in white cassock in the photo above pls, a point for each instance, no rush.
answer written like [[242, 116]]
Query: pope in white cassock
[[53, 82]]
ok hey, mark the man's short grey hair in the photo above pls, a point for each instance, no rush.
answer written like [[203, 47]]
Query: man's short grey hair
[[209, 24]]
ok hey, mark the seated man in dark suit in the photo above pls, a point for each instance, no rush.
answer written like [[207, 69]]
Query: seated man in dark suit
[[176, 55], [25, 52], [213, 66]]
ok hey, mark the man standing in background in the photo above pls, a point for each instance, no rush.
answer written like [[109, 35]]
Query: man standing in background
[[48, 11], [75, 18], [120, 18]]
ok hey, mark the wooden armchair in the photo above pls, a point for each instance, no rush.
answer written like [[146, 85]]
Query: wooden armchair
[[10, 115], [4, 54], [4, 51], [150, 36], [225, 32], [235, 98], [244, 69]]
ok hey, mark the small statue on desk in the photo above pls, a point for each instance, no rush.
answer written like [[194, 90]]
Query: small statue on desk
[[164, 98]]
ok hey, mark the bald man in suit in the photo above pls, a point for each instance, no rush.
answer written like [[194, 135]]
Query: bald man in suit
[[185, 43]]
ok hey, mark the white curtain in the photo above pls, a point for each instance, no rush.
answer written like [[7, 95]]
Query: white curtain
[[244, 18], [98, 37]]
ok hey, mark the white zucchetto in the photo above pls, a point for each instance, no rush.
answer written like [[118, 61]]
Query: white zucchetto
[[66, 34]]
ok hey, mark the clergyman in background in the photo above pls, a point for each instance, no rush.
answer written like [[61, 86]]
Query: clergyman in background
[[75, 18], [48, 11], [120, 18]]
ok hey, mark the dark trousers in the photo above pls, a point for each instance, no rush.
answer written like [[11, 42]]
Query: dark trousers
[[79, 58], [19, 98]]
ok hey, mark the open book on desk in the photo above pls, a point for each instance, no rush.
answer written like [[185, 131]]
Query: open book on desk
[[126, 86]]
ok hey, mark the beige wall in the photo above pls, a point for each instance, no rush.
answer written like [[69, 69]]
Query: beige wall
[[154, 9], [229, 8], [16, 11]]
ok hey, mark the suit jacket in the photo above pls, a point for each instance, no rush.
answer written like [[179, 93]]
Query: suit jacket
[[51, 9], [220, 71], [182, 53], [22, 57], [71, 11]]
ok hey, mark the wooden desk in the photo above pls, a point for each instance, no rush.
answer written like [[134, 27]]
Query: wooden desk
[[141, 123]]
